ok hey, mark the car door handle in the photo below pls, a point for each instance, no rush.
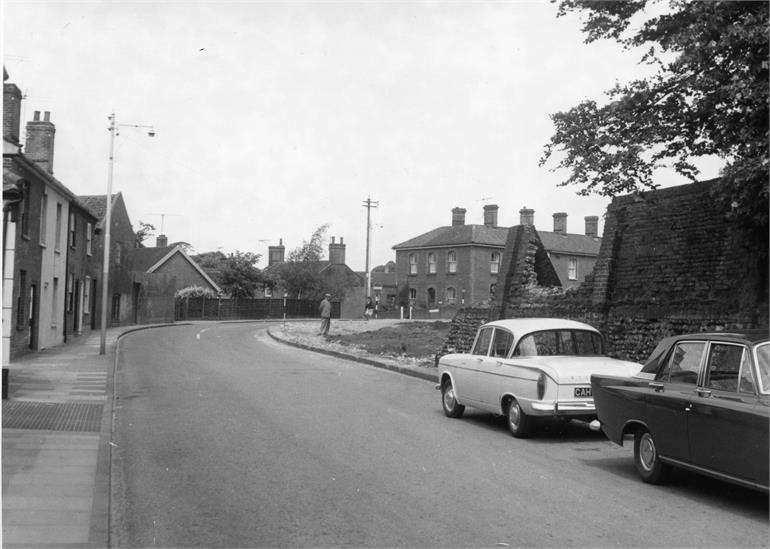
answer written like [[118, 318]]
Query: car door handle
[[656, 386]]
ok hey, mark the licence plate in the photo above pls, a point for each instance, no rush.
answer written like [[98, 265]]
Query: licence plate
[[582, 392]]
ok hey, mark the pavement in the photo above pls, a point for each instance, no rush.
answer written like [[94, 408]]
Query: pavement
[[56, 437]]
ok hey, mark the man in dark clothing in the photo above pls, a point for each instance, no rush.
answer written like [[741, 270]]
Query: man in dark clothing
[[326, 314]]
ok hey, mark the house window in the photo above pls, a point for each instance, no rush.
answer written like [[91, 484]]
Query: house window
[[494, 263], [73, 229], [89, 238], [492, 289], [70, 292], [87, 296], [24, 213], [451, 295], [268, 291], [451, 262], [412, 294], [412, 264], [431, 263], [57, 243], [572, 272], [117, 248], [43, 218], [115, 316]]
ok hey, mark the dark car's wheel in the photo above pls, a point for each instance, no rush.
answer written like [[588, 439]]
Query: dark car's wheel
[[520, 424], [647, 460], [452, 408]]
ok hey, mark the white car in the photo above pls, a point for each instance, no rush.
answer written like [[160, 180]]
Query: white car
[[528, 368]]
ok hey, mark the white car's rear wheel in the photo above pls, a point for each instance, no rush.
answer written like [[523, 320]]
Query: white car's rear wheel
[[452, 408], [520, 424]]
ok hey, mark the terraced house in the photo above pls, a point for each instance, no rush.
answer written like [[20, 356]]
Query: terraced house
[[459, 264]]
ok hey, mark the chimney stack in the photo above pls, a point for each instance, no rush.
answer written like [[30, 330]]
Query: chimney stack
[[458, 216], [592, 225], [527, 216], [560, 222], [275, 254], [11, 110], [161, 241], [337, 252], [490, 215], [40, 141]]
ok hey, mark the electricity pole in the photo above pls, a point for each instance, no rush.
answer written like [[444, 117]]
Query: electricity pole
[[369, 204]]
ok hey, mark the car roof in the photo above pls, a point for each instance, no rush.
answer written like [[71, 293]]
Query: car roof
[[744, 336], [526, 325]]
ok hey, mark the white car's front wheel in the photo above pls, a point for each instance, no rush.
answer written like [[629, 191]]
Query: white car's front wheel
[[452, 408], [520, 424]]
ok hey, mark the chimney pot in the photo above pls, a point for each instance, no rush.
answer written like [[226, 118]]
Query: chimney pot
[[458, 216], [161, 241], [592, 225], [47, 116], [527, 216], [560, 222], [490, 215], [36, 116]]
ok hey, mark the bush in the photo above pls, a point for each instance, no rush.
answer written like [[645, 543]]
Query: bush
[[194, 291]]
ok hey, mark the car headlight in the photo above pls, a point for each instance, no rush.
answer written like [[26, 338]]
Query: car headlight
[[541, 386]]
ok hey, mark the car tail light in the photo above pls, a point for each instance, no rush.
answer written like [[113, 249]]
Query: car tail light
[[541, 386]]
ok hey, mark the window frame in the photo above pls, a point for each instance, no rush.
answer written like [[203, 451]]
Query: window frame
[[412, 263], [431, 263], [43, 237], [451, 262], [572, 268], [494, 262]]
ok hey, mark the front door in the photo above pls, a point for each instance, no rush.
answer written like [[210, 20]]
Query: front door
[[32, 321], [79, 307]]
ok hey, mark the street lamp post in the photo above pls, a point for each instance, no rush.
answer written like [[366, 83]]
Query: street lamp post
[[113, 129]]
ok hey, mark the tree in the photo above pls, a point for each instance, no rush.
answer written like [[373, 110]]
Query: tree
[[236, 273], [299, 275], [708, 96], [144, 232], [240, 275]]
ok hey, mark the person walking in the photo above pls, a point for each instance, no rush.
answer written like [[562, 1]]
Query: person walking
[[368, 309], [325, 308]]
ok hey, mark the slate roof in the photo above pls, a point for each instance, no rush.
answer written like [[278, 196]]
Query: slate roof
[[97, 203], [579, 244], [458, 235], [147, 260], [482, 235]]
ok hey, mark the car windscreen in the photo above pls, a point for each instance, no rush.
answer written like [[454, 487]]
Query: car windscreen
[[560, 342]]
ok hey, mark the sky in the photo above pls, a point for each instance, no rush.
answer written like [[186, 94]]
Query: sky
[[272, 119]]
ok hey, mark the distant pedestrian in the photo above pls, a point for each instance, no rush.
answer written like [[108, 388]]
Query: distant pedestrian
[[368, 309], [325, 308]]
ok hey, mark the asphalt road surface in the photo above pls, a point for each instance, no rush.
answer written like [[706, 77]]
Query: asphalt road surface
[[226, 438]]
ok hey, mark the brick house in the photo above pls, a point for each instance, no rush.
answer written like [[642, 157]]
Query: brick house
[[122, 294], [83, 272], [44, 261], [459, 265], [173, 261]]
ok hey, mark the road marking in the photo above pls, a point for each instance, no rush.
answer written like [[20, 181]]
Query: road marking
[[198, 335]]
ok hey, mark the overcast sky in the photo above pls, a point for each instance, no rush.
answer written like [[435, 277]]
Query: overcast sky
[[274, 118]]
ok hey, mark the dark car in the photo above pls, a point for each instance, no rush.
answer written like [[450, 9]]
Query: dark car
[[701, 402]]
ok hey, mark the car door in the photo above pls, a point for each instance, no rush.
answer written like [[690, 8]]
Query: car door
[[727, 425], [667, 398], [470, 369], [496, 374]]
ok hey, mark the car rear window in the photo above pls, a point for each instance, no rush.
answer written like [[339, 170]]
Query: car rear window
[[560, 342]]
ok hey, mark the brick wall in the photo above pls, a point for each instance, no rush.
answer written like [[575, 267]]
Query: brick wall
[[670, 263]]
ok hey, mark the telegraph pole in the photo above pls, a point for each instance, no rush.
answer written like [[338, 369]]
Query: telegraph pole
[[369, 204]]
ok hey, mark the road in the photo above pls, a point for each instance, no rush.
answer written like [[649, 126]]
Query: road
[[226, 438]]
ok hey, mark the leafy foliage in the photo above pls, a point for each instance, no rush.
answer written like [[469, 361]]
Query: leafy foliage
[[299, 276], [708, 96], [236, 273], [145, 231]]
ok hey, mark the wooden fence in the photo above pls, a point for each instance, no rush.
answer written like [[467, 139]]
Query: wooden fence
[[206, 308]]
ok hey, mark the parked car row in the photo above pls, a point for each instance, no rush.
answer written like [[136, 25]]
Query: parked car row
[[701, 401]]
